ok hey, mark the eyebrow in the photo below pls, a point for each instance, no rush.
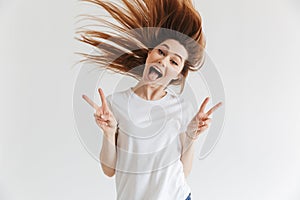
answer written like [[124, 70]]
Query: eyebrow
[[174, 53]]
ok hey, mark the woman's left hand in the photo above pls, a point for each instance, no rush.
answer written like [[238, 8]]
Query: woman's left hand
[[201, 120]]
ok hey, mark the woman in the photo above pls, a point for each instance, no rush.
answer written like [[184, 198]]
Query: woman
[[149, 132]]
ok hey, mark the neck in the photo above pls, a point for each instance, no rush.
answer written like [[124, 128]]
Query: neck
[[149, 92]]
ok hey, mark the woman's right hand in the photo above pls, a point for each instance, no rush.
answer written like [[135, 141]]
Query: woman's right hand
[[103, 116]]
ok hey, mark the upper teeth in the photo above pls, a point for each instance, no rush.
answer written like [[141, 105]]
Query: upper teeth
[[157, 69]]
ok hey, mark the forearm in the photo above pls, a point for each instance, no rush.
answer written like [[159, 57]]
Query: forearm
[[108, 155], [187, 154]]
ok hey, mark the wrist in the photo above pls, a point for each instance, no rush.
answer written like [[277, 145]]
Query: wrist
[[191, 135], [110, 135]]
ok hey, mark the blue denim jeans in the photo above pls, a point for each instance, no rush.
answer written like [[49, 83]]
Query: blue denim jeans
[[189, 197]]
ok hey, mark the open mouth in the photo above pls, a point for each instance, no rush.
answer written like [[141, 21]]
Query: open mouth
[[154, 73]]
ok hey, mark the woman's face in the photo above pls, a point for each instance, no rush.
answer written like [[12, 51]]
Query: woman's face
[[164, 62]]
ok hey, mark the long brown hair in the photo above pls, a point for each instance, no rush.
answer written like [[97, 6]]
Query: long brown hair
[[143, 24]]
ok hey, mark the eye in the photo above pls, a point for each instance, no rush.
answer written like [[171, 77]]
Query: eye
[[161, 52], [173, 62]]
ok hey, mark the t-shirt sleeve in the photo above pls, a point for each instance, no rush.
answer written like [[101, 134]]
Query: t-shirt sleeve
[[109, 101], [188, 113]]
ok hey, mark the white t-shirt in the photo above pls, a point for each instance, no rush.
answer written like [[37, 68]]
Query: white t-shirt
[[148, 146]]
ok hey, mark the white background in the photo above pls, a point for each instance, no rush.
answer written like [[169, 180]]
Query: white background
[[255, 47]]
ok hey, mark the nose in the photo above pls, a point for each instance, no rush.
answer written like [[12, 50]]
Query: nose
[[163, 61]]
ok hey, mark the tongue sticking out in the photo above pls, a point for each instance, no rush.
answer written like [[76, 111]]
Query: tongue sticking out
[[154, 74]]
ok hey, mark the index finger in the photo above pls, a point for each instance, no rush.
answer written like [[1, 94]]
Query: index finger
[[94, 105], [213, 108]]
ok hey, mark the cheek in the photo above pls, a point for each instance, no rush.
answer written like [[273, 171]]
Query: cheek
[[176, 69], [172, 73]]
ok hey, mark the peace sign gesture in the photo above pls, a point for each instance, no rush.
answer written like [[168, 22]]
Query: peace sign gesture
[[201, 120], [103, 116]]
